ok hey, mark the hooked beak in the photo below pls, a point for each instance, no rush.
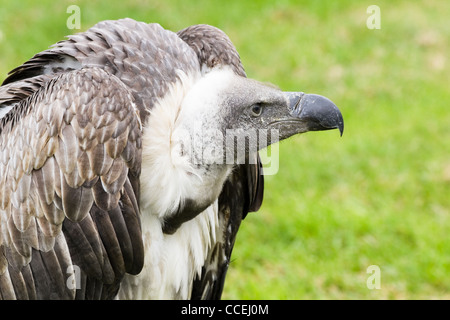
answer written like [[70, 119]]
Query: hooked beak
[[315, 112]]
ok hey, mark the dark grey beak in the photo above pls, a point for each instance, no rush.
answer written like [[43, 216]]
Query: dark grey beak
[[317, 112]]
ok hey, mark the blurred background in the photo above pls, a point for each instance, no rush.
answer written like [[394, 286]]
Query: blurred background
[[380, 195]]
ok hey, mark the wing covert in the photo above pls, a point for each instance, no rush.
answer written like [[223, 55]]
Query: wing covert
[[69, 166]]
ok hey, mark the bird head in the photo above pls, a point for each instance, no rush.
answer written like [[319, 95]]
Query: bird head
[[225, 117]]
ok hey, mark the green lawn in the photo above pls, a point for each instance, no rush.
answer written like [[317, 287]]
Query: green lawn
[[380, 195]]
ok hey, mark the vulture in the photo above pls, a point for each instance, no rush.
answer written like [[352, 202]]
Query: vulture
[[128, 159]]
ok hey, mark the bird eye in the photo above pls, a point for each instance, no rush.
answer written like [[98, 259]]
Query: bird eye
[[256, 110]]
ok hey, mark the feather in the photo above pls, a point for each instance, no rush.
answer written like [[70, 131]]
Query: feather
[[44, 178], [66, 154], [73, 179], [100, 162], [15, 259], [80, 294], [3, 261], [31, 236], [48, 229], [82, 252], [106, 119], [41, 277], [20, 289], [113, 181], [84, 168], [20, 244], [108, 271], [129, 153], [130, 213], [56, 276], [48, 150], [103, 134], [51, 212], [5, 194], [123, 237], [76, 201], [94, 289], [45, 242], [29, 282], [6, 287], [62, 252], [86, 132], [23, 189], [21, 219], [104, 200], [115, 146], [90, 232], [53, 127], [107, 234]]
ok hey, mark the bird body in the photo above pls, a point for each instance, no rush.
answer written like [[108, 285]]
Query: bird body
[[115, 166]]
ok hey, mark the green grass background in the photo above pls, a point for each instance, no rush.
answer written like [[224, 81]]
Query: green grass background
[[380, 195]]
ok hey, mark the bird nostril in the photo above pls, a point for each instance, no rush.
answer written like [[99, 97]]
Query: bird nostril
[[294, 99], [297, 105]]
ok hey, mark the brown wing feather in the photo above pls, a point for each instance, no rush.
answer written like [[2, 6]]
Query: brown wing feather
[[143, 56], [65, 188], [212, 46]]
